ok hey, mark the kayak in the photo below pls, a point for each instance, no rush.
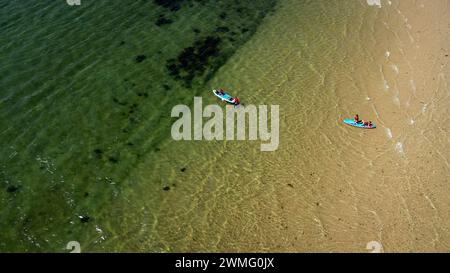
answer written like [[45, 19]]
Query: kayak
[[224, 96], [351, 122]]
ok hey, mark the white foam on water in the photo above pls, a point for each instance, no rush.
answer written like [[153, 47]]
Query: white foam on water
[[374, 3], [387, 54], [395, 68], [412, 121], [46, 164], [386, 85], [399, 148], [388, 133], [424, 108], [413, 85], [368, 99], [396, 100], [13, 154]]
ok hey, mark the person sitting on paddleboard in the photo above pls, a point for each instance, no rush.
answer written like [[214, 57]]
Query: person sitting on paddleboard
[[370, 124], [236, 101], [356, 119], [220, 91]]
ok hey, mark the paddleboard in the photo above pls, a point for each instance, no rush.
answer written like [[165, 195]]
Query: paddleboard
[[351, 122], [225, 96]]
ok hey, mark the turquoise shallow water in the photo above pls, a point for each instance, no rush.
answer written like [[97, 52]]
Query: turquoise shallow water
[[86, 93]]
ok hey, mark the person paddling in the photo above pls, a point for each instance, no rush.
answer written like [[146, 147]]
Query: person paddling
[[356, 119]]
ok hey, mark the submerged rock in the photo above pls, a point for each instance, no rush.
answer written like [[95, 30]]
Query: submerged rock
[[12, 188], [115, 100], [140, 58], [163, 21], [98, 153], [172, 5], [84, 218], [222, 29], [113, 160]]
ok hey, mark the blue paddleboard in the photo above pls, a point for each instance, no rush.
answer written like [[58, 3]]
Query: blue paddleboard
[[351, 122], [225, 96]]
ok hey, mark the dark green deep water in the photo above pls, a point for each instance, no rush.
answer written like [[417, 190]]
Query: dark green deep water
[[85, 95]]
